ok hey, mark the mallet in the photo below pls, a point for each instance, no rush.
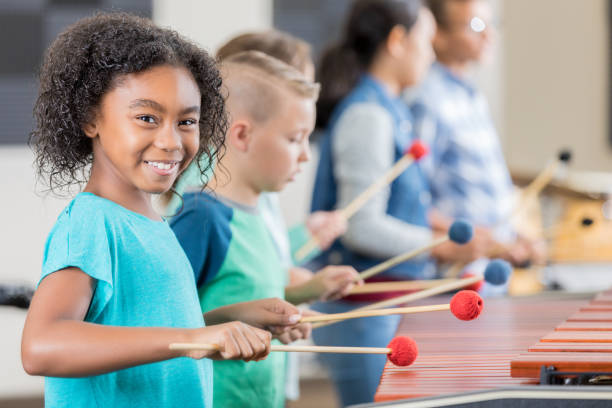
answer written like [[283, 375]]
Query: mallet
[[401, 351], [497, 272], [465, 305], [414, 153], [460, 233]]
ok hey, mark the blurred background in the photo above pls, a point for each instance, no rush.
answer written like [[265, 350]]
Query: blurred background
[[548, 88]]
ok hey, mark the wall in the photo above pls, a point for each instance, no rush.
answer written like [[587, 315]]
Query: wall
[[556, 87]]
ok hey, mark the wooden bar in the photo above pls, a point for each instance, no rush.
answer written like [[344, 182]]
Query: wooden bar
[[578, 337], [591, 317], [571, 347], [529, 364], [585, 326]]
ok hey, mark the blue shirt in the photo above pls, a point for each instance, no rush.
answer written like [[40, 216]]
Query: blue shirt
[[143, 278], [466, 170]]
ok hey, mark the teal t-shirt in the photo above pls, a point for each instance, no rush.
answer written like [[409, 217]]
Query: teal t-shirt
[[143, 278], [234, 260]]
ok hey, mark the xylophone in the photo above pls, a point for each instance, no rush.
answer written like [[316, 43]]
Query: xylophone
[[581, 344], [457, 357]]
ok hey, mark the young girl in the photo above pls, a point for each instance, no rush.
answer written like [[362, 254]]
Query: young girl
[[386, 47], [136, 103]]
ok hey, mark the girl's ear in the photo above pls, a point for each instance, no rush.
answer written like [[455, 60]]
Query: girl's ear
[[395, 41], [90, 129], [239, 135]]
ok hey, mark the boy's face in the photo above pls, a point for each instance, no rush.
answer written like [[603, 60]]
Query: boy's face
[[467, 35], [146, 130], [280, 144]]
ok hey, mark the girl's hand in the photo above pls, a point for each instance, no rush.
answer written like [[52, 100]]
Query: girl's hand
[[273, 314], [326, 226], [236, 341]]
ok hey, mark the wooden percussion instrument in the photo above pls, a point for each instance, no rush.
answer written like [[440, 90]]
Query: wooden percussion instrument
[[583, 343], [465, 357]]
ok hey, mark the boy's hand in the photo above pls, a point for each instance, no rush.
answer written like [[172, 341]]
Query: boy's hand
[[326, 226], [236, 341], [333, 282], [271, 314], [298, 332]]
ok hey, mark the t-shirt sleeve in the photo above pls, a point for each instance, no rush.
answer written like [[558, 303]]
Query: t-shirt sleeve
[[204, 235], [371, 231], [298, 237], [82, 239]]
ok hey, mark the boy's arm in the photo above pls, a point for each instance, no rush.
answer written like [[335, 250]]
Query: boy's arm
[[331, 282], [271, 314], [57, 342]]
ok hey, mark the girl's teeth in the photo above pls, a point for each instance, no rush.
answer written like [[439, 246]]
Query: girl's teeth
[[162, 166]]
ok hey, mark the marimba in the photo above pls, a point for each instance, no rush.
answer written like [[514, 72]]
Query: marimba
[[458, 357], [581, 344]]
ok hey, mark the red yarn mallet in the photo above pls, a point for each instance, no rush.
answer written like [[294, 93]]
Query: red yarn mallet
[[417, 150], [476, 286], [403, 351], [466, 305]]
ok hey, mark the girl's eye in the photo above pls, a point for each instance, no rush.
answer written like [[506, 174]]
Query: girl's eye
[[188, 122], [147, 119]]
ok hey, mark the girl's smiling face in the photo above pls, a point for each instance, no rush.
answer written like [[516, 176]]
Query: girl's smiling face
[[145, 131]]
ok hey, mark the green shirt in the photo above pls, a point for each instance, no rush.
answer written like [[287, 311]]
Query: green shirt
[[234, 260]]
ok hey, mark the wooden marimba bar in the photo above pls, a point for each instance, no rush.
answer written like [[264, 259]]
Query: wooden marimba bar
[[457, 357], [583, 343]]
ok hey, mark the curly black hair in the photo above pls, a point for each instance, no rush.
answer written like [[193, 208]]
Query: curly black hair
[[84, 62]]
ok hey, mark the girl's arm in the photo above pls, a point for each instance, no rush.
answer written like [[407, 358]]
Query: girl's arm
[[57, 342], [371, 231]]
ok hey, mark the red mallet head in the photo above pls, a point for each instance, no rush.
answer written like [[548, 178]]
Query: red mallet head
[[403, 351], [466, 305], [417, 150], [474, 286]]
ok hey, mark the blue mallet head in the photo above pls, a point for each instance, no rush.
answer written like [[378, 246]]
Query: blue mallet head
[[497, 272], [461, 232]]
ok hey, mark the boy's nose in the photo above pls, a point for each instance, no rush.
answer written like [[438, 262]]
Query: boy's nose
[[306, 152]]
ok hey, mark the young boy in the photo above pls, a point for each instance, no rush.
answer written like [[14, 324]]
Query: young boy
[[272, 112]]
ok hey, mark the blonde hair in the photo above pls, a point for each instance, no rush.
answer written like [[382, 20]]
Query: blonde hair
[[277, 44], [253, 79]]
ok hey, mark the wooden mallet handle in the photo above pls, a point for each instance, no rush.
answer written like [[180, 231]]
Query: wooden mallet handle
[[392, 286], [396, 260], [287, 348], [414, 153], [411, 297], [369, 313]]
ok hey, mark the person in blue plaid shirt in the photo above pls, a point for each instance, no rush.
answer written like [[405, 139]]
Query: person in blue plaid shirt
[[466, 169]]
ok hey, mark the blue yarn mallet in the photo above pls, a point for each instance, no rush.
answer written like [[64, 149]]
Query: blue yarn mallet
[[460, 233], [497, 272]]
